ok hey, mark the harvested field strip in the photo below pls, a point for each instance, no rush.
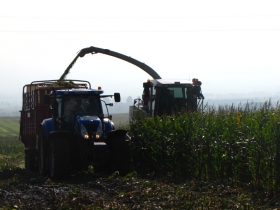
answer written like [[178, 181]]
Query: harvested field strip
[[7, 129], [9, 126]]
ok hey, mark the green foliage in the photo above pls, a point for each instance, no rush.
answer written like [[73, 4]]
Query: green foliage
[[231, 144], [122, 126], [11, 153], [67, 84], [67, 71]]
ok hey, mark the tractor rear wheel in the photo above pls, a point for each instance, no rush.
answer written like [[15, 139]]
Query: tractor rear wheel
[[30, 160], [59, 158]]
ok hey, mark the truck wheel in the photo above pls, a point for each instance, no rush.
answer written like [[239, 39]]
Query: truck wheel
[[30, 160], [120, 156], [42, 159], [59, 158]]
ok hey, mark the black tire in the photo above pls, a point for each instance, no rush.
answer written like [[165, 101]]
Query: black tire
[[30, 160], [120, 156], [42, 154], [103, 166], [59, 158]]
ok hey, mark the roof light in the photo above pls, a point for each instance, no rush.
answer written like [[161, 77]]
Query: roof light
[[148, 80], [99, 88]]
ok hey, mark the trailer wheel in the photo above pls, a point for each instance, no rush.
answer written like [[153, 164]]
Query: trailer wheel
[[59, 158], [30, 160], [42, 151], [120, 154]]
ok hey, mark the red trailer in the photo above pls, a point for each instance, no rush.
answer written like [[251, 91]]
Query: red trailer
[[34, 111]]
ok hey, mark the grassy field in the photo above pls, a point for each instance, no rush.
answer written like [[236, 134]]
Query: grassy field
[[11, 149], [120, 119]]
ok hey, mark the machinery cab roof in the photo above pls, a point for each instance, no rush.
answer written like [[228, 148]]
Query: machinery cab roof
[[78, 92], [171, 82]]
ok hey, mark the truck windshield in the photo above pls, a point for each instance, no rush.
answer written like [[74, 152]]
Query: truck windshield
[[81, 105]]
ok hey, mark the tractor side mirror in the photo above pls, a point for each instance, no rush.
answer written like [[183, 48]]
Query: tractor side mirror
[[117, 97], [46, 99]]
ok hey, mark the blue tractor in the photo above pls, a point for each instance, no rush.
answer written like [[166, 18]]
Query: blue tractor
[[74, 132]]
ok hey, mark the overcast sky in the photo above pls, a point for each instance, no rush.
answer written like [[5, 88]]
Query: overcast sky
[[231, 46]]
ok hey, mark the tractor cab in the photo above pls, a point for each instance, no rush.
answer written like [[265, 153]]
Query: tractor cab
[[167, 97], [80, 111]]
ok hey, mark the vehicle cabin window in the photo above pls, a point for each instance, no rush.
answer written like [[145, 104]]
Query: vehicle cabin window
[[178, 92], [81, 105]]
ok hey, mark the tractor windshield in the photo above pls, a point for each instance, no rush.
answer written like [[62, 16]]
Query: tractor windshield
[[75, 105]]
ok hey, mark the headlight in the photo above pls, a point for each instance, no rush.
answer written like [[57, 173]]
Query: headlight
[[99, 131], [84, 132]]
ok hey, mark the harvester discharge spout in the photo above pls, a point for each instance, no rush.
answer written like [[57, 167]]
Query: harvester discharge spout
[[95, 50]]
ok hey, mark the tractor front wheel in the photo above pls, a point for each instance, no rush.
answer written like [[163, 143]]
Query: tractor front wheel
[[120, 156], [59, 158]]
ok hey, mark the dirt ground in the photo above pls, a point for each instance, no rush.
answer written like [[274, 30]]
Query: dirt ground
[[20, 189]]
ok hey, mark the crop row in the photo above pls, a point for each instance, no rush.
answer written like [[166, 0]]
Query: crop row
[[232, 144]]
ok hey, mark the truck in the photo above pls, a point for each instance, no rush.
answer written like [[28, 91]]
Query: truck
[[160, 96], [64, 128]]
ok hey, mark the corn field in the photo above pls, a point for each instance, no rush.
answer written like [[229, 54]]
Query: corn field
[[236, 145]]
